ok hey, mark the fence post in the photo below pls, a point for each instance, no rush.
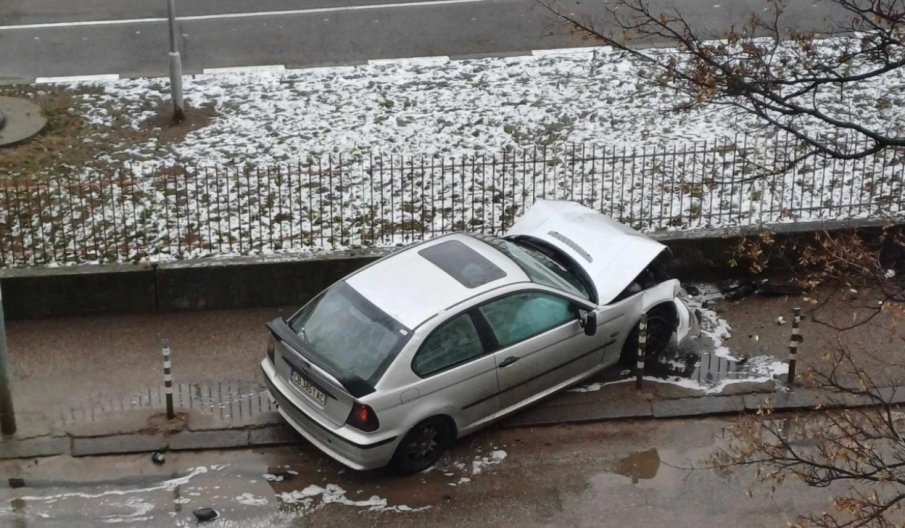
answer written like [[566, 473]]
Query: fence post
[[168, 379], [793, 344], [642, 346]]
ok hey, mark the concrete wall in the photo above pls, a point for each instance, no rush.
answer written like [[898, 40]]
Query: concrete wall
[[188, 285], [209, 284]]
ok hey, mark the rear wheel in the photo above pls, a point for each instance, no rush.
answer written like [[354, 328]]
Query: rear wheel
[[422, 446], [661, 323]]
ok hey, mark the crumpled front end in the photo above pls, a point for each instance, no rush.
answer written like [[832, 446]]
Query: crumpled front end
[[689, 326]]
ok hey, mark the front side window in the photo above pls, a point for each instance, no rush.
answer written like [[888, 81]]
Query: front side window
[[520, 316], [457, 341], [347, 332]]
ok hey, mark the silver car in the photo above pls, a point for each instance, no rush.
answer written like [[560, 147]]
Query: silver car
[[396, 361]]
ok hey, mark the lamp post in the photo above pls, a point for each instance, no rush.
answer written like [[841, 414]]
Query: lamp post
[[7, 416], [175, 66]]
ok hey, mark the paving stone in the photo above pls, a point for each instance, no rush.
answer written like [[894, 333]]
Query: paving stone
[[576, 413], [748, 387], [116, 444], [788, 400], [698, 406], [273, 435], [222, 439], [33, 447]]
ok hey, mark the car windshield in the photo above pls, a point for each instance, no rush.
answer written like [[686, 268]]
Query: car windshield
[[348, 333], [539, 267]]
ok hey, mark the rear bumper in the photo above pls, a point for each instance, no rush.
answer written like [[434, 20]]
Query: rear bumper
[[330, 441]]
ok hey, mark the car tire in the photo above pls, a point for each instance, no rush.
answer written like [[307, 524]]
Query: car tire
[[422, 446], [661, 324]]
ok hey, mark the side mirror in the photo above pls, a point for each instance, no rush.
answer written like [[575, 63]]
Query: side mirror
[[588, 321]]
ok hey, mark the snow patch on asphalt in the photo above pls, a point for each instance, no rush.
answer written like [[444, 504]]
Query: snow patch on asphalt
[[314, 497], [250, 500], [479, 464], [167, 485]]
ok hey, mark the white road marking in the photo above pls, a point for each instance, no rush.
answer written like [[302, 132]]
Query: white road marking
[[440, 59], [78, 78], [244, 69], [222, 16], [565, 51]]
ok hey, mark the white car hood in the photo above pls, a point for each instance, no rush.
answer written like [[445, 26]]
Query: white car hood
[[611, 253]]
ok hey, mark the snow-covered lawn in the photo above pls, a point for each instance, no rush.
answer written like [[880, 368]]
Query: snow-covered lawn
[[380, 155]]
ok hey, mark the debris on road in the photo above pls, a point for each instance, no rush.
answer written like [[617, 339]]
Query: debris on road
[[205, 514]]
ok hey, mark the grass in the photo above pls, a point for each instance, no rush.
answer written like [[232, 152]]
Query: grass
[[69, 142]]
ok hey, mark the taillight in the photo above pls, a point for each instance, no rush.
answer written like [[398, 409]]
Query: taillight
[[363, 417], [271, 349]]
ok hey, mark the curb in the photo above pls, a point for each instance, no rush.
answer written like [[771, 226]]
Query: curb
[[142, 442], [544, 415]]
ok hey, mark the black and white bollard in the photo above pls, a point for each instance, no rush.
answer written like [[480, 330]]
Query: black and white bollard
[[642, 346], [793, 343], [168, 379]]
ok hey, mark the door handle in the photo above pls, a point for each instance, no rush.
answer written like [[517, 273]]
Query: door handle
[[508, 361]]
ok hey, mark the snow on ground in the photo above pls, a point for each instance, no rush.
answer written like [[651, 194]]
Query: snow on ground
[[382, 155], [451, 108]]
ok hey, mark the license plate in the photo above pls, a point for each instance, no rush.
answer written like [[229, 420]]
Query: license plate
[[307, 387]]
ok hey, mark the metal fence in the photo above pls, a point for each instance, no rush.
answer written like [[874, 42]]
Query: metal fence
[[133, 214]]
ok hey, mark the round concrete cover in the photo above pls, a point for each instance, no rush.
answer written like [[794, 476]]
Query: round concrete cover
[[21, 120]]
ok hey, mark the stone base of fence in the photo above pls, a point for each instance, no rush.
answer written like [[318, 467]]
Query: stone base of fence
[[280, 280]]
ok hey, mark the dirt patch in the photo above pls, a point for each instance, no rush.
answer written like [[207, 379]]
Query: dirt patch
[[166, 131], [158, 423], [70, 142]]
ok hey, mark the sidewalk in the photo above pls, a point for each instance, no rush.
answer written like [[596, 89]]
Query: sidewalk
[[93, 386]]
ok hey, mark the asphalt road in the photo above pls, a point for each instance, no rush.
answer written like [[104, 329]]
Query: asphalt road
[[610, 474], [43, 38]]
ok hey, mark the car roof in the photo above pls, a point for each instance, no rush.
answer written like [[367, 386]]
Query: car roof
[[411, 288]]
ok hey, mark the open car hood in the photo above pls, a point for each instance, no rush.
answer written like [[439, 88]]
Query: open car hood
[[612, 254]]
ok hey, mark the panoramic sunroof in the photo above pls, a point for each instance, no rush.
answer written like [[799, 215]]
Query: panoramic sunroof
[[463, 263]]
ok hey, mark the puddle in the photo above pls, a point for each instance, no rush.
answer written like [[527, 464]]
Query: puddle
[[639, 465]]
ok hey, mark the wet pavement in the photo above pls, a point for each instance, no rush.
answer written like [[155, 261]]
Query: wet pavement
[[629, 473]]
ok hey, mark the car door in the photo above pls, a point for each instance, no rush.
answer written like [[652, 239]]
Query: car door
[[539, 343], [457, 371]]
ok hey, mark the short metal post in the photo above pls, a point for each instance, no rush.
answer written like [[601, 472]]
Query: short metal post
[[642, 346], [168, 379], [793, 344], [7, 415]]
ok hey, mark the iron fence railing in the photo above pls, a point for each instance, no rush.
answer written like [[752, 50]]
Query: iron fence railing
[[133, 214]]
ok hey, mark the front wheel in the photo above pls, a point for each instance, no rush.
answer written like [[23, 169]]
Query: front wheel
[[661, 324], [422, 446]]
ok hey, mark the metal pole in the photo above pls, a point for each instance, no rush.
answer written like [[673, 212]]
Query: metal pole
[[168, 379], [642, 345], [793, 344], [7, 415], [175, 66]]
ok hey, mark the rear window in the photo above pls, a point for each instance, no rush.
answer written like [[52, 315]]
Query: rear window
[[345, 331], [462, 263]]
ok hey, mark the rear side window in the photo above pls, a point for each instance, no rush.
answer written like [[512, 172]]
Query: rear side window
[[453, 343], [520, 316]]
